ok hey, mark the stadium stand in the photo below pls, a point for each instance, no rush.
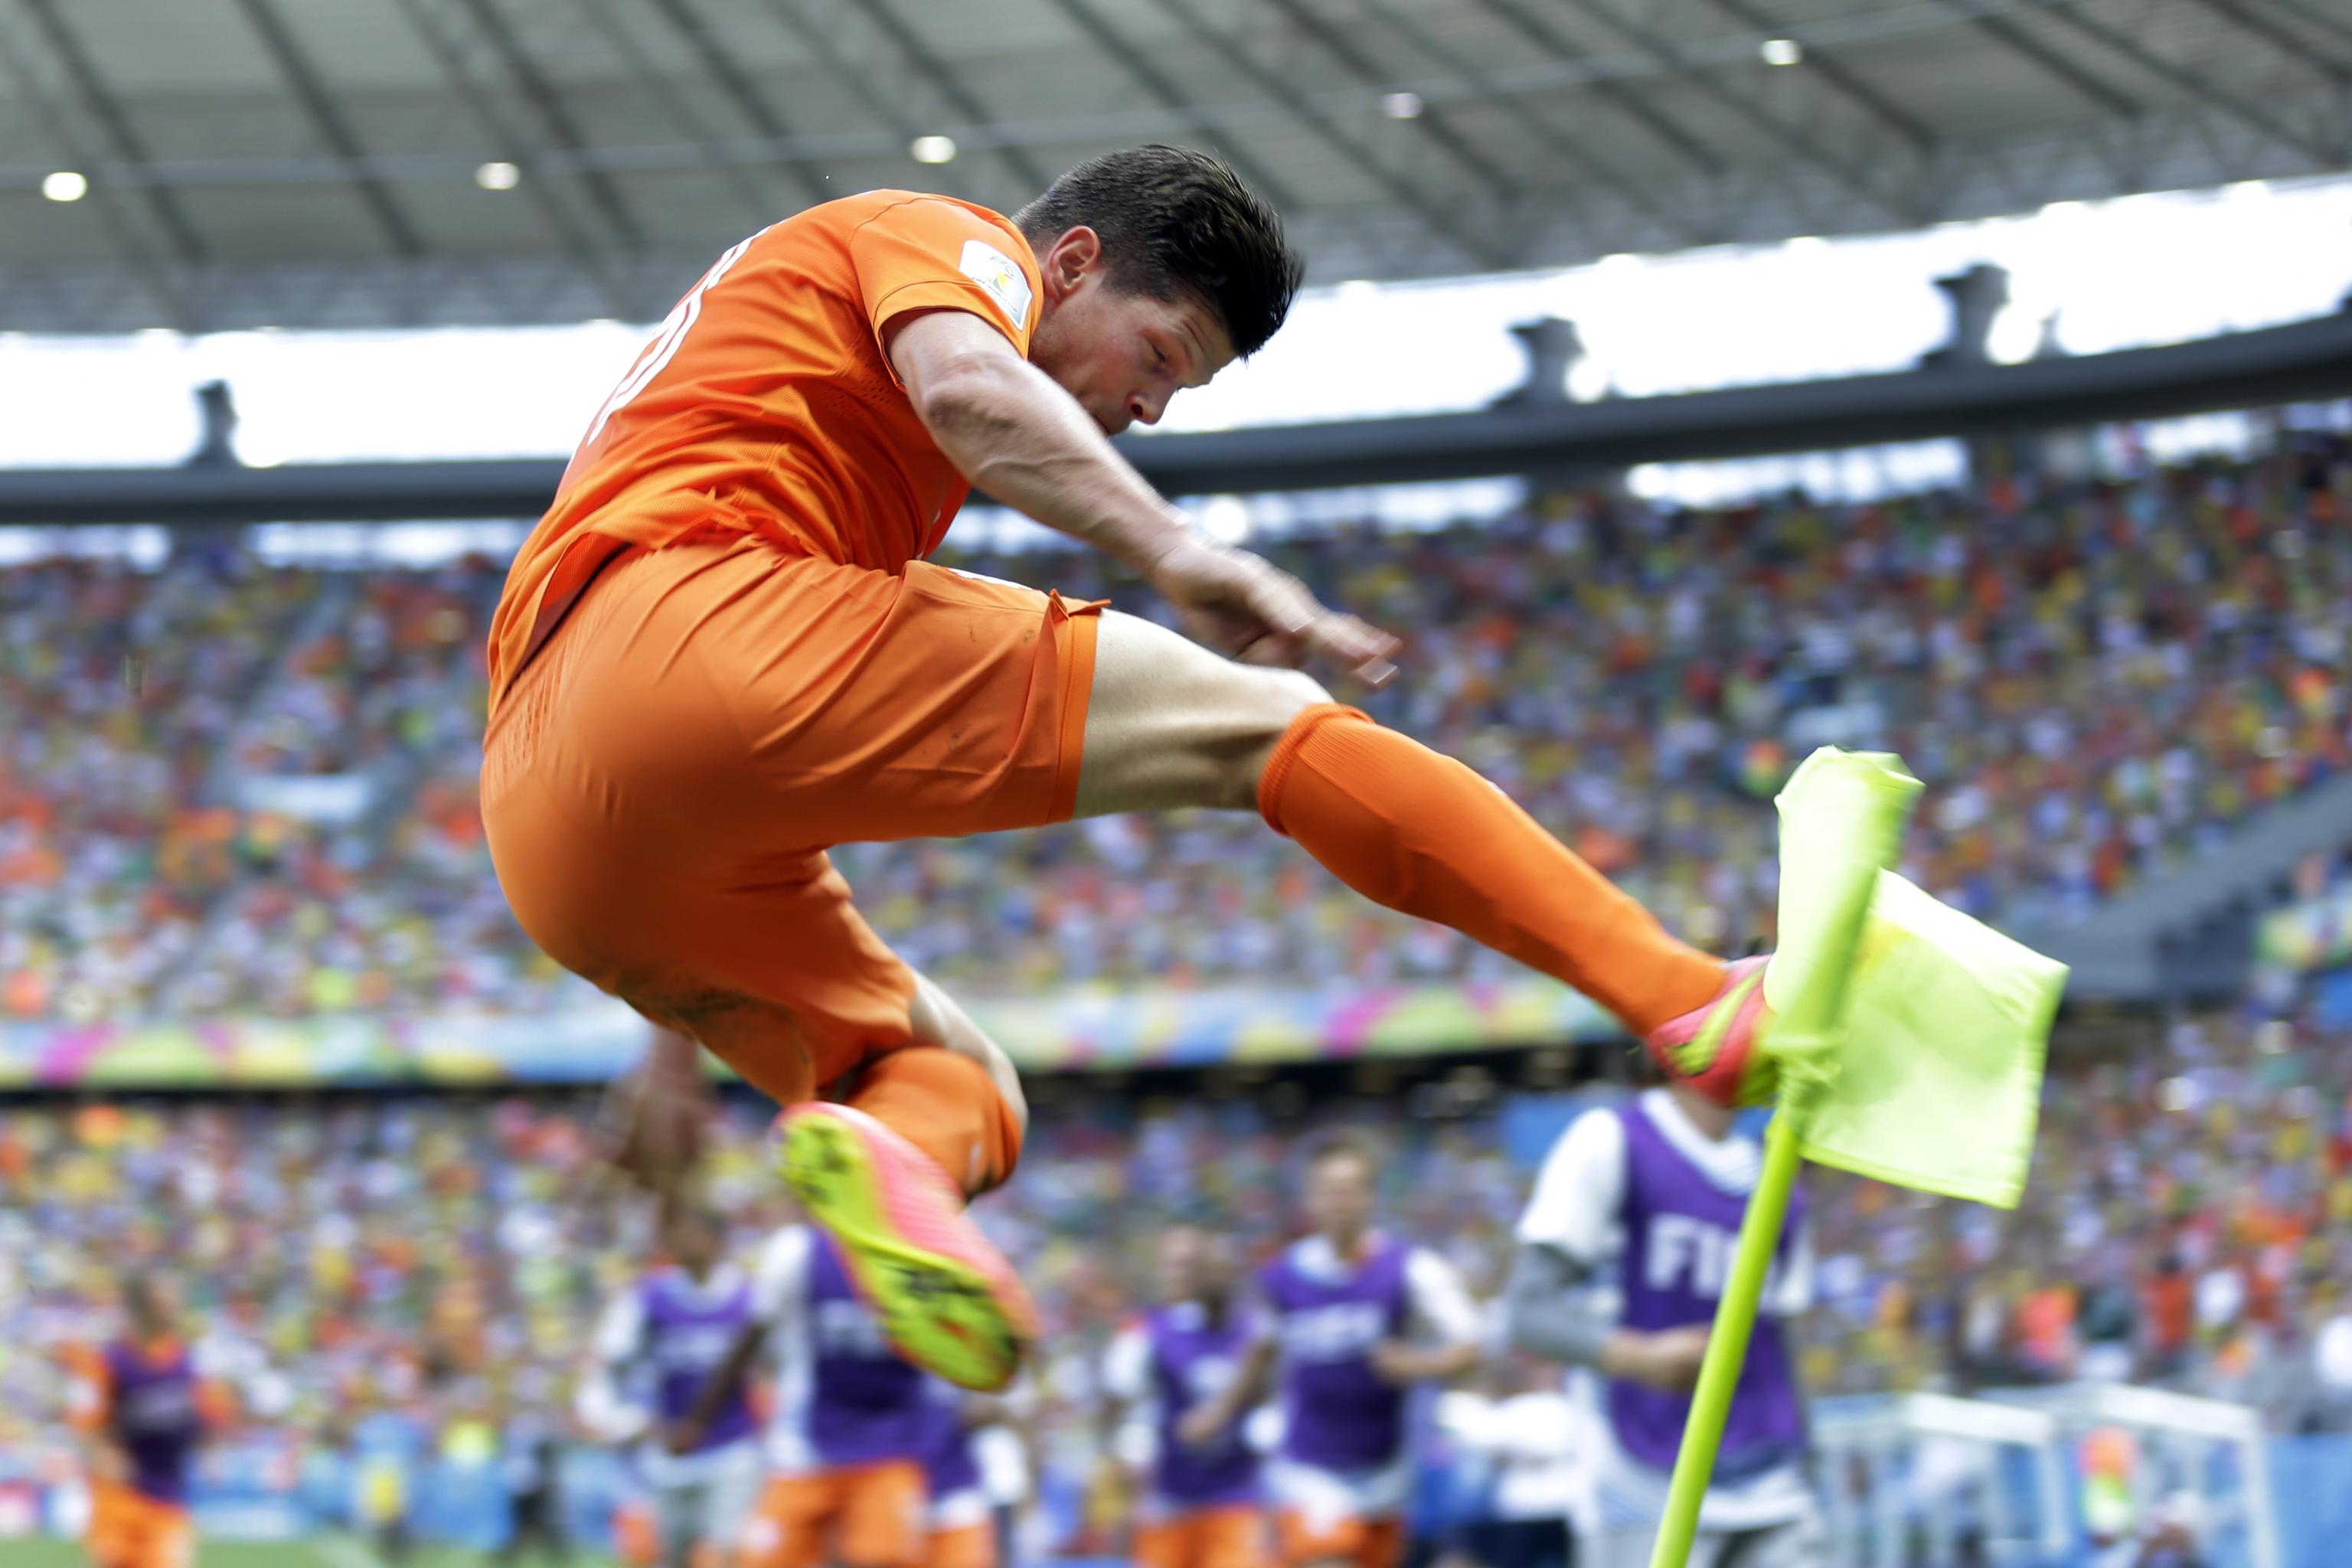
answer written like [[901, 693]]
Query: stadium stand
[[2097, 679]]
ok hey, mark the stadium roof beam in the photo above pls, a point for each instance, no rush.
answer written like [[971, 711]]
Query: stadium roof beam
[[826, 45], [748, 100], [2017, 40], [115, 123], [1826, 65], [1789, 136], [2322, 63], [758, 207], [169, 284], [1444, 225], [1533, 122], [1015, 158], [326, 117], [2196, 86], [1110, 41], [1433, 121], [2319, 21], [582, 249], [1693, 148], [547, 104]]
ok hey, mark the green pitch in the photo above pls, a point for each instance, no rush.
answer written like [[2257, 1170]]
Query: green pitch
[[344, 1553]]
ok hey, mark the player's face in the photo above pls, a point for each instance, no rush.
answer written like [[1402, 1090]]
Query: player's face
[[1339, 1196], [1180, 1265], [1124, 356], [153, 1307]]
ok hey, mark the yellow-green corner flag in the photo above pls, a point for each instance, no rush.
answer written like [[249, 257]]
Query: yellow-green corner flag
[[1908, 1041]]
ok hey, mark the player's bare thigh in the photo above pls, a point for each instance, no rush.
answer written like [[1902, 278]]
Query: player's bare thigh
[[1171, 724]]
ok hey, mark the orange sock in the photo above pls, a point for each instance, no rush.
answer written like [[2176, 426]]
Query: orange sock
[[1421, 833], [945, 1104]]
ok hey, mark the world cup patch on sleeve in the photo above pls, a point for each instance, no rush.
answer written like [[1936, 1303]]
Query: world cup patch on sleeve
[[999, 278]]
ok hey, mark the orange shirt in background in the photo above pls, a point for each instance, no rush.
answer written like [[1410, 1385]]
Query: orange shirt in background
[[765, 405]]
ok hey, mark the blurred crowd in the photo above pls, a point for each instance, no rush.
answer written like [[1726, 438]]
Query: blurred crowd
[[238, 790], [442, 1258]]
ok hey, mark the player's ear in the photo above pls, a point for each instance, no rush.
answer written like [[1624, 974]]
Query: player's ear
[[1070, 260]]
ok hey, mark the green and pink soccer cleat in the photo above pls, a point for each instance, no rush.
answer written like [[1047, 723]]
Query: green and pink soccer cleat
[[946, 1298], [1713, 1049]]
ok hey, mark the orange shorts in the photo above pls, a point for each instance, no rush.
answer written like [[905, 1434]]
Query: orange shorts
[[660, 783], [131, 1530], [866, 1516], [962, 1546], [1233, 1536], [1365, 1542]]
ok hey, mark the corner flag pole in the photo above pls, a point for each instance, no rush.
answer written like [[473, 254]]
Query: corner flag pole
[[1727, 1342], [1842, 817]]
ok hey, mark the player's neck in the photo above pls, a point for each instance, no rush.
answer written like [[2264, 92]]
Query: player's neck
[[1349, 1246], [1712, 1120]]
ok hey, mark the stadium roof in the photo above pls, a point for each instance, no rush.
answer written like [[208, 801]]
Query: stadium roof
[[336, 162]]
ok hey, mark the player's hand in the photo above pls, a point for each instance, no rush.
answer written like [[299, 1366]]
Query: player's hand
[[1396, 1363], [655, 1117], [1244, 606], [1668, 1360], [683, 1437]]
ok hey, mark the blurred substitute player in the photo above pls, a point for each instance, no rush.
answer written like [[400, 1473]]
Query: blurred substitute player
[[1200, 1505], [960, 1519], [655, 1348], [722, 651], [846, 1439], [145, 1411], [1623, 1251], [1357, 1320]]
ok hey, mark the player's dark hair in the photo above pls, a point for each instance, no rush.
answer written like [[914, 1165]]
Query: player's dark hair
[[1175, 221], [1330, 1146]]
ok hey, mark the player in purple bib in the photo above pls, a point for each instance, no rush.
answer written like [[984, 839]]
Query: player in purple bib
[[145, 1411], [851, 1423], [1356, 1320], [961, 1521], [659, 1344], [1624, 1250], [1201, 1504]]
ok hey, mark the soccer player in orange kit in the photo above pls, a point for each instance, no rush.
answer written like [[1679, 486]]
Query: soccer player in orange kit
[[723, 651]]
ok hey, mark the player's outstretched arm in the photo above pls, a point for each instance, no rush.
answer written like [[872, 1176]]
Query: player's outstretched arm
[[1015, 435], [725, 1378], [1443, 1321], [1551, 1309], [1253, 1379]]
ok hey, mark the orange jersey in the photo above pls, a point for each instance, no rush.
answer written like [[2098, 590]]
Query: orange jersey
[[766, 405]]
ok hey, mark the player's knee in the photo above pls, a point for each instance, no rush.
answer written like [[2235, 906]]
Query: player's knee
[[1279, 698]]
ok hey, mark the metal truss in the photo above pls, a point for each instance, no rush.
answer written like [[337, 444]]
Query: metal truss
[[588, 250], [98, 100], [1445, 225], [754, 104], [1383, 241], [326, 117], [1546, 134]]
